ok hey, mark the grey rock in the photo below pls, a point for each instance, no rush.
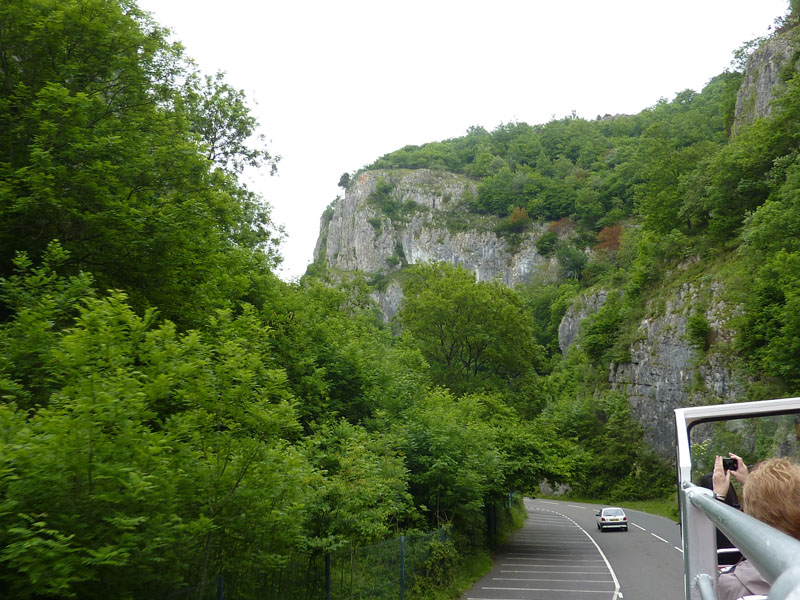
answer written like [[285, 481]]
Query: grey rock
[[357, 237], [665, 372], [762, 80], [570, 324]]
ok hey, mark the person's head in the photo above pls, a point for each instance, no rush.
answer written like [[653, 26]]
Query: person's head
[[772, 494]]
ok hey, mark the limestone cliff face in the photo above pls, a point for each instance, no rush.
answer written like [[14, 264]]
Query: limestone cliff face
[[569, 328], [432, 225], [666, 372], [763, 80]]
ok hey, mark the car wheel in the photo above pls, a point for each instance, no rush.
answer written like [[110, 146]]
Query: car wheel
[[625, 529]]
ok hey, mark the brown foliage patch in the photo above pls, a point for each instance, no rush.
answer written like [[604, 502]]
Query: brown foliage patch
[[562, 226], [608, 238]]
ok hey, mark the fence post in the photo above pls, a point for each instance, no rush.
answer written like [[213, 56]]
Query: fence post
[[402, 567], [220, 585], [328, 576]]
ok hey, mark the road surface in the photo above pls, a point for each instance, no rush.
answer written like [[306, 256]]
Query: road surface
[[560, 555]]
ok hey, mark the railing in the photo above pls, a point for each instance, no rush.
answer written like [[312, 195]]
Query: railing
[[775, 554], [383, 571]]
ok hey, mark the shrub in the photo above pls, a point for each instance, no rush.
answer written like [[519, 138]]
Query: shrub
[[546, 243], [571, 260], [698, 331], [608, 240], [562, 227], [602, 331]]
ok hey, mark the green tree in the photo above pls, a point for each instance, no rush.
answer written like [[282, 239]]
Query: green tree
[[363, 495], [152, 459], [102, 149], [218, 114], [472, 333], [338, 355], [571, 261], [454, 461], [611, 459]]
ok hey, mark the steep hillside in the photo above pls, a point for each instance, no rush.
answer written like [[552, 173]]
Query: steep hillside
[[389, 219], [641, 217]]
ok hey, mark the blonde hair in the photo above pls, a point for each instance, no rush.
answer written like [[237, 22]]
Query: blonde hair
[[772, 494]]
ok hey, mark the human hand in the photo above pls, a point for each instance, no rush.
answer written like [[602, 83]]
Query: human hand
[[721, 479], [741, 472]]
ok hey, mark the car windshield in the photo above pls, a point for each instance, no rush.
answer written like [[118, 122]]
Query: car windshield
[[613, 512]]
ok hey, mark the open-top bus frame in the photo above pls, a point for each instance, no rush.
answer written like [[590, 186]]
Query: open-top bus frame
[[775, 554]]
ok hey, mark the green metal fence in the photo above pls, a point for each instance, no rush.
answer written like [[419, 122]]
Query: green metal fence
[[387, 570]]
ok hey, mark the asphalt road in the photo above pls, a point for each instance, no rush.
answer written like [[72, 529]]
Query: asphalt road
[[560, 555]]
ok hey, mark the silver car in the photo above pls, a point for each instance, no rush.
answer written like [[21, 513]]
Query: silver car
[[611, 518]]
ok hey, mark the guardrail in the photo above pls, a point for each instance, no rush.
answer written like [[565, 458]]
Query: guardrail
[[775, 554]]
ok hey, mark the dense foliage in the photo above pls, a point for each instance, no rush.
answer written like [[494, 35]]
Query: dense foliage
[[113, 145], [628, 198], [590, 171], [170, 410]]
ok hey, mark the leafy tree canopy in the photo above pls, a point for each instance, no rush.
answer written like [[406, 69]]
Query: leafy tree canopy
[[113, 145], [473, 334]]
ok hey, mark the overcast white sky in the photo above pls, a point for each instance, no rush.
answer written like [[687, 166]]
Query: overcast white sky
[[335, 84]]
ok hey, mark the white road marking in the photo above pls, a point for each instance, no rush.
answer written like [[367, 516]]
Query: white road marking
[[559, 580], [659, 537], [546, 558], [639, 526], [546, 502], [537, 572], [540, 566], [678, 549], [573, 506], [608, 564], [514, 589]]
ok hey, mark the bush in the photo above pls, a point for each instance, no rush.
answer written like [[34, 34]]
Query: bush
[[698, 331], [602, 330], [438, 569], [608, 239], [546, 243], [571, 260]]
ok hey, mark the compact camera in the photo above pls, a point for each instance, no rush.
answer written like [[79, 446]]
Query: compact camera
[[730, 464]]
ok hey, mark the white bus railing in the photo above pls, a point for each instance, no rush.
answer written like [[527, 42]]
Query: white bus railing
[[775, 554]]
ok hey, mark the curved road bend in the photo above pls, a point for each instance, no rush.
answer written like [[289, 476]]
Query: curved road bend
[[560, 555]]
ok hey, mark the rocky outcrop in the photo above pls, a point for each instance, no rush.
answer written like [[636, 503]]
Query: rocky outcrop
[[389, 299], [764, 79], [666, 372], [570, 324], [431, 224]]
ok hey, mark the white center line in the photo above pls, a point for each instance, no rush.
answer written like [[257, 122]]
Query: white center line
[[659, 537], [517, 589], [639, 526], [573, 506]]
